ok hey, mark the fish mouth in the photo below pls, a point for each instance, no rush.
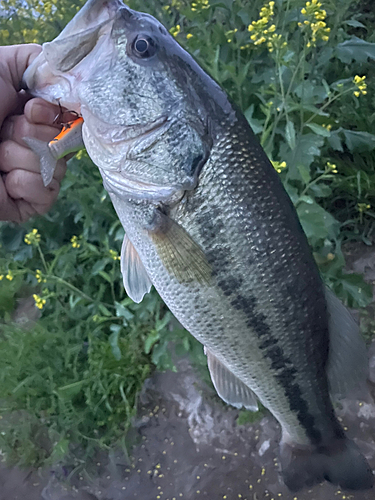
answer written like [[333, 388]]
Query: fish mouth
[[53, 73], [110, 147], [110, 134]]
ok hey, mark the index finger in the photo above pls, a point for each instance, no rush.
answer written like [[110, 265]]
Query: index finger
[[39, 111], [14, 61]]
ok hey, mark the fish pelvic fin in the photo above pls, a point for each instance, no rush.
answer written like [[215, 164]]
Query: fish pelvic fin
[[341, 464], [181, 255], [47, 160], [135, 277], [230, 388]]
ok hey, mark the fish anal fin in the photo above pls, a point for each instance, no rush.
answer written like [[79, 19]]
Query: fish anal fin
[[181, 255], [347, 365], [135, 277], [230, 388]]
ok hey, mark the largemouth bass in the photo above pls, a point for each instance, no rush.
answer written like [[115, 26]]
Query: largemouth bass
[[209, 224]]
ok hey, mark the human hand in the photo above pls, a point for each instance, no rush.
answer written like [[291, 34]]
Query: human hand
[[22, 192]]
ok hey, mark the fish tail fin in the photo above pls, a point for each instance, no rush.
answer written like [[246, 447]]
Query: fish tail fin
[[47, 161], [341, 464]]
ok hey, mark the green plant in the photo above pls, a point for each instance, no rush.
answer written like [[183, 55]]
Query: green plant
[[296, 70]]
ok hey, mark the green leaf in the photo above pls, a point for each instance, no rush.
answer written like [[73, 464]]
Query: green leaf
[[305, 173], [60, 449], [355, 49], [318, 129], [353, 290], [355, 24], [256, 125], [290, 135], [335, 141], [161, 324], [306, 199], [359, 141], [105, 276], [123, 312], [69, 391], [104, 310], [151, 340], [99, 266], [113, 341], [317, 222], [326, 86], [307, 148], [320, 190]]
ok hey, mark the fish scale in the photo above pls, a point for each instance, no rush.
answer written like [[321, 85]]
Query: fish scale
[[208, 309], [209, 224]]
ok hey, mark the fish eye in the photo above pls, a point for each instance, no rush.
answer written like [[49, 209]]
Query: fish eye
[[144, 46]]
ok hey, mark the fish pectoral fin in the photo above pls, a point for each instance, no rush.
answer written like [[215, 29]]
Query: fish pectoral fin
[[230, 388], [134, 275], [181, 255], [347, 365]]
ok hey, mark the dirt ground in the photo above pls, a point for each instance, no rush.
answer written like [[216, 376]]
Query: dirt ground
[[188, 445]]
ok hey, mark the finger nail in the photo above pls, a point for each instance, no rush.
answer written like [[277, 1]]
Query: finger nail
[[41, 113]]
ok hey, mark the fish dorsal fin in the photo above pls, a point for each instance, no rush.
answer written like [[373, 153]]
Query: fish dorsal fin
[[347, 361], [230, 388], [181, 255], [136, 280]]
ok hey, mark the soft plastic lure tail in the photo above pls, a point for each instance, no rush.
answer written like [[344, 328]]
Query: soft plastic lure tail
[[69, 140]]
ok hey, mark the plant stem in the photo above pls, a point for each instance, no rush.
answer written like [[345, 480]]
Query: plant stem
[[56, 279], [42, 258]]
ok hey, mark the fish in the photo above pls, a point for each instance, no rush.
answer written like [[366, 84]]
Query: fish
[[69, 140], [209, 224]]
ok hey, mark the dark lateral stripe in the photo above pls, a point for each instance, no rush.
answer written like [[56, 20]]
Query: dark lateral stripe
[[280, 363], [218, 255]]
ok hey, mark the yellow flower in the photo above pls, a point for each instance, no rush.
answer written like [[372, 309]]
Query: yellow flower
[[175, 30], [75, 242], [39, 276], [1, 276], [229, 34], [362, 207], [279, 167], [263, 30], [32, 238], [189, 35], [331, 167], [39, 301], [200, 5], [361, 86], [9, 276], [314, 25], [114, 255]]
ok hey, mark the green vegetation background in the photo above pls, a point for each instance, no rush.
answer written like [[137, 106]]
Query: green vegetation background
[[71, 366]]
